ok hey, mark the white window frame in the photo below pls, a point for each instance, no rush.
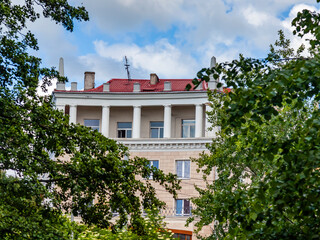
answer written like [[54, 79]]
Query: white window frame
[[94, 127], [183, 213], [183, 169], [125, 129], [158, 128], [151, 165], [188, 125]]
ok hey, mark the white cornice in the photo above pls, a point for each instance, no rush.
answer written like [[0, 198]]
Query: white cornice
[[178, 144], [129, 95], [126, 99]]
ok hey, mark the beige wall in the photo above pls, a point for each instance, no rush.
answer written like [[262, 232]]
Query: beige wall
[[178, 114], [150, 114], [119, 114], [84, 112], [167, 163]]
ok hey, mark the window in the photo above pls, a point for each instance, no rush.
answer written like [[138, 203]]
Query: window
[[93, 123], [153, 163], [124, 129], [188, 128], [183, 168], [182, 236], [156, 129], [183, 207]]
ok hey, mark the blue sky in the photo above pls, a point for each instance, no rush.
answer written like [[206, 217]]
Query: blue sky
[[173, 38]]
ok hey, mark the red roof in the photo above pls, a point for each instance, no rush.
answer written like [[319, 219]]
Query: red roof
[[125, 85]]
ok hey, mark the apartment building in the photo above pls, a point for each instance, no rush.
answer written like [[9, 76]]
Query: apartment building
[[156, 119]]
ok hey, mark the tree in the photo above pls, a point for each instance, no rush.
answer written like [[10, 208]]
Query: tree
[[154, 225], [267, 151], [35, 137]]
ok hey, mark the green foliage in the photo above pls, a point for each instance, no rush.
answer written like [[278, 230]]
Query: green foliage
[[154, 229], [23, 217], [36, 140], [267, 151]]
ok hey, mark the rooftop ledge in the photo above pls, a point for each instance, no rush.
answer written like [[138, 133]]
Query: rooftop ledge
[[169, 144]]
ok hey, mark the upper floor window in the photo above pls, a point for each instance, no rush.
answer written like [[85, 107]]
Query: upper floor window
[[153, 163], [183, 168], [156, 129], [93, 123], [188, 128], [124, 129], [183, 207]]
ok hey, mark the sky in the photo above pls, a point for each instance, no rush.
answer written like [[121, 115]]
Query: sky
[[172, 38]]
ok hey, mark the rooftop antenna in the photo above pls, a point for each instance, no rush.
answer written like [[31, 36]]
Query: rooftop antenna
[[127, 67]]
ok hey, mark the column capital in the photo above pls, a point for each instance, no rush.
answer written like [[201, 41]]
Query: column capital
[[167, 105], [137, 106], [105, 106], [198, 104]]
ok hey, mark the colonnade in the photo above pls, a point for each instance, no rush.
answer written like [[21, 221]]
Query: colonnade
[[136, 124]]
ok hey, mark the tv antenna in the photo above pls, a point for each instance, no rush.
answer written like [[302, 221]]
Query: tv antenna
[[126, 64]]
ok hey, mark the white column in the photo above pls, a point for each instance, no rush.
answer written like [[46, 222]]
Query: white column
[[199, 119], [208, 133], [167, 122], [105, 120], [136, 122], [60, 107], [73, 114]]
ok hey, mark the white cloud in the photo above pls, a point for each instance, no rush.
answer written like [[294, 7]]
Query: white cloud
[[138, 29], [119, 15], [161, 57], [255, 17]]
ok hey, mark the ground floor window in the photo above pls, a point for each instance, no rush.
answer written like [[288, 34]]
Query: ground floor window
[[181, 234]]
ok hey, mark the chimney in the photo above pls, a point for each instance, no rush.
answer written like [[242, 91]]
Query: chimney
[[60, 86], [154, 79], [167, 86], [89, 80], [106, 87], [136, 87], [74, 86]]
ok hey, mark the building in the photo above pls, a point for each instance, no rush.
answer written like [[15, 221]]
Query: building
[[157, 119]]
